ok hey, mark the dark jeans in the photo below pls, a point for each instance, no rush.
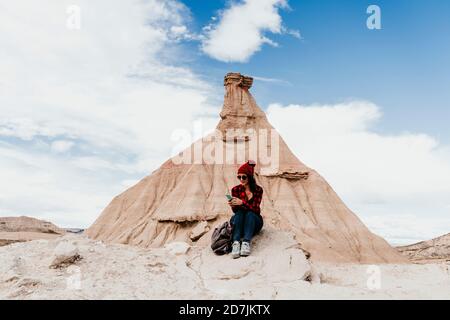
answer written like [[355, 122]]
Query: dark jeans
[[246, 224]]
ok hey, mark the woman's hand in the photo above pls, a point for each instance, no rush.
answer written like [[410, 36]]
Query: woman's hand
[[235, 202]]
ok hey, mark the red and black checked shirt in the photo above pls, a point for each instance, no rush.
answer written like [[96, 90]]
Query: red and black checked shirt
[[252, 204]]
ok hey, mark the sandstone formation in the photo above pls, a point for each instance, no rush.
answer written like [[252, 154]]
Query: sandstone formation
[[186, 195]]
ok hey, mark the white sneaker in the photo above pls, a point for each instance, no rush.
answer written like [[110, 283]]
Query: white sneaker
[[235, 251], [245, 248]]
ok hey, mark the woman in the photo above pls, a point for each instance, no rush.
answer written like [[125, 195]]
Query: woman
[[247, 220]]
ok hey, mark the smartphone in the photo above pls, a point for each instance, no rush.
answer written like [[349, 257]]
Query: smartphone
[[228, 197]]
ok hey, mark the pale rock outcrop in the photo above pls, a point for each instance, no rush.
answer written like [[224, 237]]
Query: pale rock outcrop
[[177, 248], [64, 255]]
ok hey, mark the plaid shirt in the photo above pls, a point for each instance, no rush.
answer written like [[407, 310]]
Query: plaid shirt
[[252, 204]]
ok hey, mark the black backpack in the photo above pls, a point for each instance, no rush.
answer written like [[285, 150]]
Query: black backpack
[[221, 238]]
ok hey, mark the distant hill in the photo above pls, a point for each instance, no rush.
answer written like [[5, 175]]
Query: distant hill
[[74, 230], [20, 229], [437, 249]]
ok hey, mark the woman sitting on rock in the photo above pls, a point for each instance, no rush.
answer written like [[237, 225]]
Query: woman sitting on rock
[[247, 220]]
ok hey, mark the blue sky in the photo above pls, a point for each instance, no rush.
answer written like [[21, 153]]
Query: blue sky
[[92, 93], [404, 67]]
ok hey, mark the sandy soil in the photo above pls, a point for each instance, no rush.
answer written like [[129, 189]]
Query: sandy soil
[[26, 236], [75, 267]]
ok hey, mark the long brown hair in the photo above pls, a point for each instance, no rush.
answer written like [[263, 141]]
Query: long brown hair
[[252, 183]]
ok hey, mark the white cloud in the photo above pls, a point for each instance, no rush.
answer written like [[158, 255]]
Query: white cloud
[[100, 92], [407, 228], [404, 175], [61, 146], [240, 32], [45, 186], [294, 33], [271, 80], [178, 30]]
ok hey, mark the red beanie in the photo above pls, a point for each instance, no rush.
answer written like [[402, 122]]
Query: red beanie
[[247, 168]]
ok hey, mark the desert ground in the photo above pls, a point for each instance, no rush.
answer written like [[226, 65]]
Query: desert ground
[[76, 267]]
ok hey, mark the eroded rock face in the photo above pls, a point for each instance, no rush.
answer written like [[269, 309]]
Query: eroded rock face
[[199, 230], [437, 249], [168, 205], [238, 79]]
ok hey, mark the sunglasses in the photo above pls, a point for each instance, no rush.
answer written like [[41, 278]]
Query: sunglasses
[[242, 177]]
